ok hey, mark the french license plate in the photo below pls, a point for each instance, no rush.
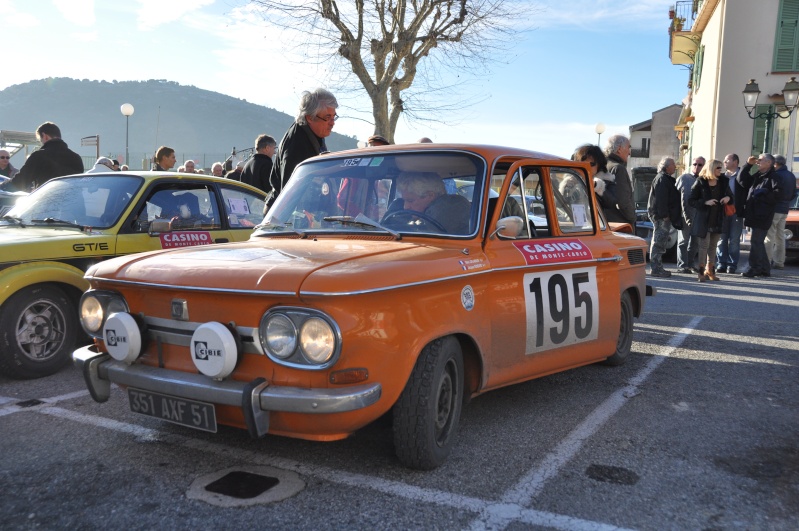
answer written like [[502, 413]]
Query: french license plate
[[190, 413]]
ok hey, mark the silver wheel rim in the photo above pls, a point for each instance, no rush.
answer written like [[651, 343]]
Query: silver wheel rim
[[41, 330]]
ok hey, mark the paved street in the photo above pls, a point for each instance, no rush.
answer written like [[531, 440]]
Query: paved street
[[699, 430]]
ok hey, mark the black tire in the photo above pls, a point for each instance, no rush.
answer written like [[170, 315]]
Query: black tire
[[38, 327], [625, 341], [427, 413]]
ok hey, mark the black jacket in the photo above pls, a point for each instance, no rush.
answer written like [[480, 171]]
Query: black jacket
[[707, 217], [299, 143], [762, 194], [664, 200], [256, 172], [53, 159]]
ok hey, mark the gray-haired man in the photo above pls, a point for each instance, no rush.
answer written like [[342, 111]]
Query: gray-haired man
[[664, 211]]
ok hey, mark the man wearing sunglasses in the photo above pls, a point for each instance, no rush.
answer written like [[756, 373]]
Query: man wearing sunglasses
[[687, 245], [6, 168], [305, 138], [53, 159]]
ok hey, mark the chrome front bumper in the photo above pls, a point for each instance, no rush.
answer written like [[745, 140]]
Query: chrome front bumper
[[256, 398]]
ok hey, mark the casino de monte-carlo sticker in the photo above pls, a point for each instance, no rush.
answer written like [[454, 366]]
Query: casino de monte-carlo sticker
[[189, 238], [554, 251]]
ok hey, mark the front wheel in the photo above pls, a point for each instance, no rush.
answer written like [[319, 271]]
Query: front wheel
[[625, 341], [38, 327], [427, 413]]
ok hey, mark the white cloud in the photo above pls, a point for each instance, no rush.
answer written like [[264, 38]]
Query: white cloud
[[13, 18], [154, 13], [77, 12]]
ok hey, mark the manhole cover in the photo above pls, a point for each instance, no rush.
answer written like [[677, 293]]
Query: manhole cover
[[30, 403], [247, 485], [612, 474], [242, 485]]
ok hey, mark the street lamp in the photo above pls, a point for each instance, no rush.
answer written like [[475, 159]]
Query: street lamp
[[752, 92], [599, 129], [127, 110]]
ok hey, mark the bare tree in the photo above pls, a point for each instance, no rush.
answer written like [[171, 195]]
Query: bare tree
[[387, 46]]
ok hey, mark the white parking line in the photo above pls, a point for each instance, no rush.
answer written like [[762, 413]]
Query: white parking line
[[506, 512]]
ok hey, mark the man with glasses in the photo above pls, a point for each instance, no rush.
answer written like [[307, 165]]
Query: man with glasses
[[618, 150], [762, 193], [729, 249], [687, 247], [305, 138], [53, 159], [6, 168]]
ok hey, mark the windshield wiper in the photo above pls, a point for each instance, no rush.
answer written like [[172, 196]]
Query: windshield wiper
[[18, 221], [56, 221], [264, 226], [363, 221]]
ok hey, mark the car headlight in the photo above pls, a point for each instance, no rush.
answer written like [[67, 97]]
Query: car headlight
[[317, 340], [300, 337], [96, 306], [280, 335], [788, 234]]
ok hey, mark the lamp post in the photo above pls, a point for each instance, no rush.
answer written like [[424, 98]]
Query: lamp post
[[599, 129], [127, 110], [751, 93]]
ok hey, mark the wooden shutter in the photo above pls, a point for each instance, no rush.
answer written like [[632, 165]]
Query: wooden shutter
[[786, 44], [759, 133]]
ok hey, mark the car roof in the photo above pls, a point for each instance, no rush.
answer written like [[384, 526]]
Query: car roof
[[485, 150], [150, 176]]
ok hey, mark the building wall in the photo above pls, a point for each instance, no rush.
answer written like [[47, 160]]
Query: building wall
[[664, 138], [739, 45]]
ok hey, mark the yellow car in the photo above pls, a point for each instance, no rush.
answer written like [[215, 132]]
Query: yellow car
[[51, 237]]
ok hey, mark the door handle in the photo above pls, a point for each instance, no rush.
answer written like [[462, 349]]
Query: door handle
[[221, 240]]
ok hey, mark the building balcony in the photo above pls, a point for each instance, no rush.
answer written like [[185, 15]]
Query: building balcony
[[683, 41]]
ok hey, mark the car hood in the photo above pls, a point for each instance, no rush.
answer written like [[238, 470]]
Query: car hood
[[307, 266], [19, 244]]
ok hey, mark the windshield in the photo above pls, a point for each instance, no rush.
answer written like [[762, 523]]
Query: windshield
[[432, 193], [87, 201]]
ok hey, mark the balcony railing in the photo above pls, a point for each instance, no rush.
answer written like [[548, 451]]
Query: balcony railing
[[683, 14]]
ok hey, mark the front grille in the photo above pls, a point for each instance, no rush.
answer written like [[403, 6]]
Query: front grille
[[635, 256]]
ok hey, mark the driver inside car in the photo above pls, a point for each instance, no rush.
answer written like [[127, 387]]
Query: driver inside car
[[424, 192]]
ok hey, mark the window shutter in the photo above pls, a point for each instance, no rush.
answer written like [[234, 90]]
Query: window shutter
[[759, 133], [698, 60], [786, 45]]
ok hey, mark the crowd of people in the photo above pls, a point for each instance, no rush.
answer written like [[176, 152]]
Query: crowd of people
[[709, 206]]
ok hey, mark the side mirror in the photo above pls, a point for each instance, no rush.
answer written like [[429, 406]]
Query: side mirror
[[509, 227], [160, 225]]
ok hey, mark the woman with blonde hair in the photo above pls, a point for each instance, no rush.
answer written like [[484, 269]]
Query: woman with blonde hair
[[709, 194]]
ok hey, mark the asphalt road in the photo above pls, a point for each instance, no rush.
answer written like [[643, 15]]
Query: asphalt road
[[699, 430]]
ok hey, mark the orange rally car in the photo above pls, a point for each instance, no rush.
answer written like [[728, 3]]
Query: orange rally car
[[406, 278]]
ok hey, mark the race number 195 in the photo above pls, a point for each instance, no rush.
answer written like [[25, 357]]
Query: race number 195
[[562, 308]]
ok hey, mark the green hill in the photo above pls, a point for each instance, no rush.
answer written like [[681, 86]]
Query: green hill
[[199, 124]]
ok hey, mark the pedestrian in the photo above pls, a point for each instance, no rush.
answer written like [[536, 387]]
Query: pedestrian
[[115, 166], [53, 159], [257, 170], [377, 140], [164, 159], [663, 208], [217, 169], [775, 238], [188, 167], [305, 138], [6, 168], [686, 243], [618, 151], [102, 165], [710, 192], [604, 182], [729, 248], [762, 193]]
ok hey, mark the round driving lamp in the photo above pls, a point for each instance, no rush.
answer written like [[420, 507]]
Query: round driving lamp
[[91, 314], [317, 340], [279, 336]]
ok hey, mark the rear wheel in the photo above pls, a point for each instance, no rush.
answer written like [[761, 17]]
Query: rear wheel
[[625, 341], [427, 413], [38, 327]]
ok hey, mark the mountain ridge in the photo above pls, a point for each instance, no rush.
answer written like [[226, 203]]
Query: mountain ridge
[[198, 124]]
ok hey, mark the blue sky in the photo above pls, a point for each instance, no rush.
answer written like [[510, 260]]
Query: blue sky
[[585, 61]]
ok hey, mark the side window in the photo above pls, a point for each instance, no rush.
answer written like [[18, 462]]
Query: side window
[[527, 203], [186, 208], [243, 209], [572, 204]]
